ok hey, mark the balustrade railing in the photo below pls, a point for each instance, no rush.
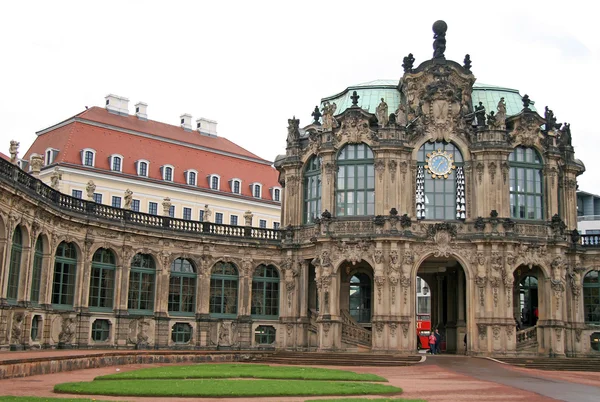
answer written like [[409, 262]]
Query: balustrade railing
[[352, 332], [13, 175], [527, 335]]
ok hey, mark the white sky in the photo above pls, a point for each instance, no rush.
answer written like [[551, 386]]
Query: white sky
[[251, 65]]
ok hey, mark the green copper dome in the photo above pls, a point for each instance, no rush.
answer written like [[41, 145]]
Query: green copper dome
[[371, 93]]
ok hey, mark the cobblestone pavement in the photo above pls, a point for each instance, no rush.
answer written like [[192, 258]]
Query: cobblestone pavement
[[439, 378]]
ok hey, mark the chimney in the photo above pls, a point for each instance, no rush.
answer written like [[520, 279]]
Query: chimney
[[186, 121], [117, 104], [140, 110], [206, 127]]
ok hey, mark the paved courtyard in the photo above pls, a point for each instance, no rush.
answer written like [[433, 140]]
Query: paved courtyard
[[439, 378]]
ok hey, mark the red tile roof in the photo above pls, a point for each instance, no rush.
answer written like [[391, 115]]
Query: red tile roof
[[109, 138], [4, 156]]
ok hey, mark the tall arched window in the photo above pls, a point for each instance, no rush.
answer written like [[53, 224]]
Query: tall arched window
[[591, 297], [355, 181], [141, 284], [36, 275], [182, 287], [312, 189], [224, 289], [65, 270], [440, 186], [265, 292], [102, 279], [525, 184], [15, 265], [360, 297]]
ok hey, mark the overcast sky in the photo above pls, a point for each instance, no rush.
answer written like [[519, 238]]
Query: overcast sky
[[251, 65]]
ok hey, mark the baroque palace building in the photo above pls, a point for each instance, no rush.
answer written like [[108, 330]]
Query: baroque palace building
[[429, 178]]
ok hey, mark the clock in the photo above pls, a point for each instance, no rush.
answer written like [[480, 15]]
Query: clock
[[439, 164]]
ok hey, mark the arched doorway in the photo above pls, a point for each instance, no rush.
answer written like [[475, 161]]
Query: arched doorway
[[360, 297], [527, 303], [356, 292], [446, 289]]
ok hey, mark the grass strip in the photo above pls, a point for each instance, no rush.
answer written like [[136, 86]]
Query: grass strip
[[223, 388], [242, 371], [42, 399]]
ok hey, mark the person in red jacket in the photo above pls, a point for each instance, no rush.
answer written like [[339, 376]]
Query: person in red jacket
[[432, 341]]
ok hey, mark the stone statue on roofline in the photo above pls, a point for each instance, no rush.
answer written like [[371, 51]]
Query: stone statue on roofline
[[90, 188], [207, 213], [382, 113], [293, 131], [439, 43], [408, 62], [128, 197], [401, 119], [501, 115], [36, 161], [316, 114], [166, 204], [55, 178], [480, 114], [329, 123], [14, 151]]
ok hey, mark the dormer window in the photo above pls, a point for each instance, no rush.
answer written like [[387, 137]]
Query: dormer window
[[276, 194], [116, 163], [191, 177], [50, 156], [256, 189], [236, 186], [142, 167], [214, 181], [88, 157], [167, 172]]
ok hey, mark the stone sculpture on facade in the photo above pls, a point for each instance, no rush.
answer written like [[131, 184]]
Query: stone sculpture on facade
[[67, 331], [408, 62], [16, 331], [316, 114], [166, 204], [480, 114], [128, 198], [13, 151], [382, 113], [293, 131], [501, 115], [55, 178], [207, 213], [36, 162], [329, 122], [90, 188], [439, 43]]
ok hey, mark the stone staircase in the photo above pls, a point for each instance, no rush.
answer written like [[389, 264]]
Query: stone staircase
[[337, 359], [558, 363], [527, 340], [353, 334]]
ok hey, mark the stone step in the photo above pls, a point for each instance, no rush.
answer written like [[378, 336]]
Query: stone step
[[546, 363], [339, 359]]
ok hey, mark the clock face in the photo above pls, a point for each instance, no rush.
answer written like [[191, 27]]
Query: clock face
[[439, 164]]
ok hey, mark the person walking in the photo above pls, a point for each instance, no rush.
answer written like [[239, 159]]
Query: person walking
[[465, 341], [438, 341], [432, 343]]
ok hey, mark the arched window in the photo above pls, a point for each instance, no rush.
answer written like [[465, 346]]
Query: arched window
[[36, 275], [355, 181], [102, 279], [142, 167], [65, 270], [116, 162], [141, 284], [224, 289], [15, 265], [88, 155], [525, 184], [591, 297], [440, 186], [265, 292], [312, 189], [182, 287]]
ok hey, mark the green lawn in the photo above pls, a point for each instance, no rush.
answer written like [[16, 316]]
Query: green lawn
[[224, 388], [241, 371]]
